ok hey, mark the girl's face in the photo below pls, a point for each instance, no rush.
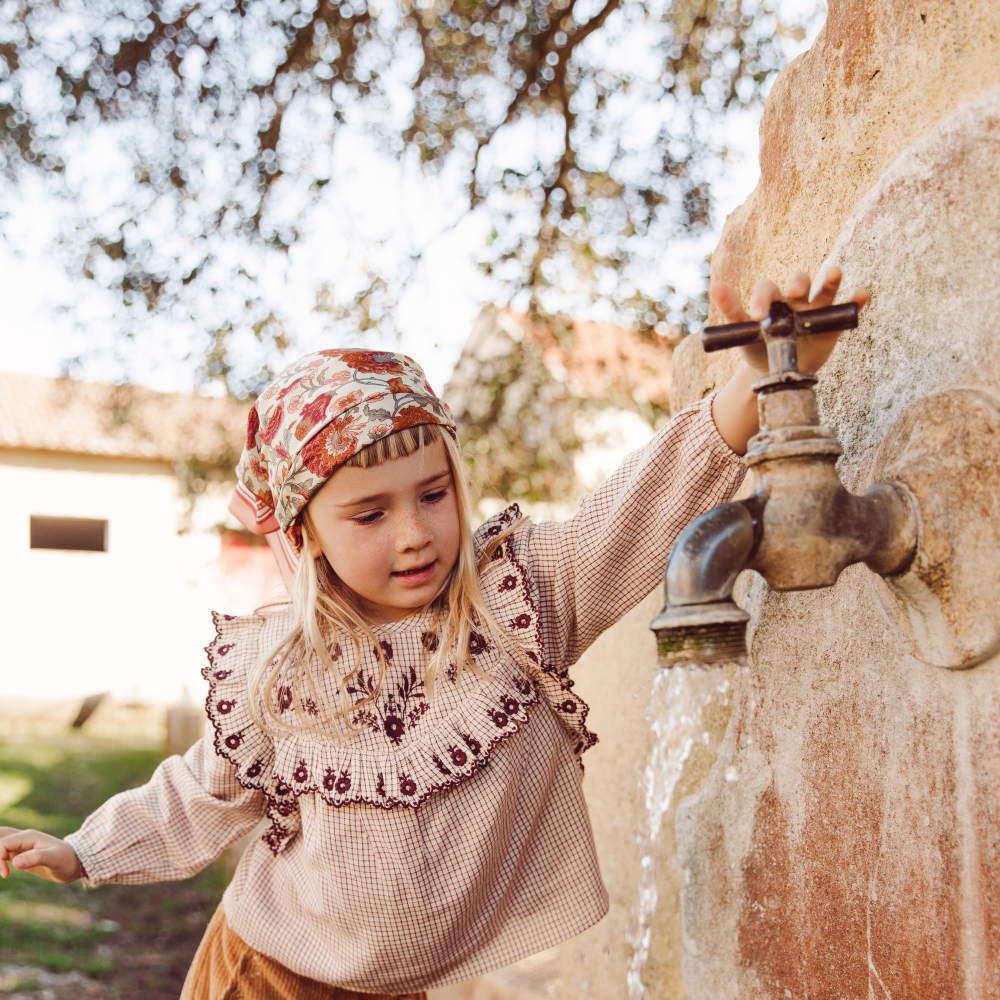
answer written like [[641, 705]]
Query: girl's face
[[390, 532]]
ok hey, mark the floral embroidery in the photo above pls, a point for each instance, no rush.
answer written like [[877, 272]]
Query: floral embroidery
[[329, 779], [473, 744], [221, 675], [284, 698], [477, 644], [225, 706], [458, 756], [396, 713], [407, 785], [254, 769], [234, 740], [508, 583], [222, 650], [521, 621], [343, 784], [301, 773], [499, 719], [568, 705]]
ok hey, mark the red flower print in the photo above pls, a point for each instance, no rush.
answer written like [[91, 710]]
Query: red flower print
[[568, 705], [253, 425], [372, 361], [397, 385], [510, 706], [521, 621], [477, 644], [222, 650], [234, 741], [221, 675], [508, 583], [254, 769], [225, 706], [472, 743], [282, 789], [284, 698], [499, 719], [411, 416], [286, 808], [312, 414], [458, 756], [301, 773], [273, 425], [343, 783], [407, 785]]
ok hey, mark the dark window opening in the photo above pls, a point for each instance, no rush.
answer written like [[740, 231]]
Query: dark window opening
[[87, 534]]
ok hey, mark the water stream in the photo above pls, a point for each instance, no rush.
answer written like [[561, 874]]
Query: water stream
[[677, 699]]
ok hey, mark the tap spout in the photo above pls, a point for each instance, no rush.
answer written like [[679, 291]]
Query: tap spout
[[700, 622]]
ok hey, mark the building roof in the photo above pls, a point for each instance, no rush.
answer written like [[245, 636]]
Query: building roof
[[121, 421], [600, 361]]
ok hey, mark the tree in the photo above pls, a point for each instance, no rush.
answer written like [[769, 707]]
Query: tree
[[585, 129]]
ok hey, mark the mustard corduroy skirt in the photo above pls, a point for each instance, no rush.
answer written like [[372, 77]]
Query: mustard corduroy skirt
[[226, 968]]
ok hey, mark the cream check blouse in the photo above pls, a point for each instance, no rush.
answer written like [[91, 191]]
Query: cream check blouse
[[450, 837]]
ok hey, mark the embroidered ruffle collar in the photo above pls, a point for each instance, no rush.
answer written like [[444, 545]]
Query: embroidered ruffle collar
[[409, 745]]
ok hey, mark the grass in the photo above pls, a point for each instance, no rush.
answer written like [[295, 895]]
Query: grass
[[53, 786]]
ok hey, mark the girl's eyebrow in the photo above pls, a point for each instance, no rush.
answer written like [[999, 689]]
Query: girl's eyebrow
[[381, 496]]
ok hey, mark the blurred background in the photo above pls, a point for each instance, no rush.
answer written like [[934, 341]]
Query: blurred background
[[521, 195]]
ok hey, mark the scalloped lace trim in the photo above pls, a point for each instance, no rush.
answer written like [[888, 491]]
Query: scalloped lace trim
[[392, 763]]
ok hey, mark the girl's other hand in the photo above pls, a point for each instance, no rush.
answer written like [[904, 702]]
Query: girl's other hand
[[812, 351], [39, 854]]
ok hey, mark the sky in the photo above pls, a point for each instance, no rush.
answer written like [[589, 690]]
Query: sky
[[50, 316]]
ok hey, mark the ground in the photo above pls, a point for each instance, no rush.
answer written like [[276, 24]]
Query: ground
[[64, 941]]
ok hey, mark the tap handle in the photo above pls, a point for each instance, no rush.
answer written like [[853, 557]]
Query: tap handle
[[781, 321]]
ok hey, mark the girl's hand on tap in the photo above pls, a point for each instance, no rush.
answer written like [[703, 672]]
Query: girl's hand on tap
[[812, 351], [39, 854]]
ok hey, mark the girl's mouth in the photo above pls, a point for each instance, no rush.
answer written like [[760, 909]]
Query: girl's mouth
[[416, 576]]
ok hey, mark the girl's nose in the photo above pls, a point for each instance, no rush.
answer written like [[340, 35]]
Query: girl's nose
[[413, 533]]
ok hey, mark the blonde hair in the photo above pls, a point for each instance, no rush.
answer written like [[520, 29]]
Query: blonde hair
[[322, 607]]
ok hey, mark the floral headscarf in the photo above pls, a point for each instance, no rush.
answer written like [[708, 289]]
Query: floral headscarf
[[311, 419]]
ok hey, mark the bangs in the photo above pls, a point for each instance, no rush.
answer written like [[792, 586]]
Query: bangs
[[399, 444]]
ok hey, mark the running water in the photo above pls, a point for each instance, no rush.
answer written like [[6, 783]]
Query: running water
[[677, 700]]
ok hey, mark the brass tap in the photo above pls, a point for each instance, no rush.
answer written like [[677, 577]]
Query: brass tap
[[800, 528]]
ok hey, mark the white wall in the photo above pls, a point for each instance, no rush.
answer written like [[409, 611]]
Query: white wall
[[132, 620]]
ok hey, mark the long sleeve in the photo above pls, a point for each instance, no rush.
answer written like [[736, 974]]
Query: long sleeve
[[594, 568], [184, 817]]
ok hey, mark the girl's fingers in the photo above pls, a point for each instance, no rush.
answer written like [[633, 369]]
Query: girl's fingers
[[797, 292], [727, 302], [764, 293], [829, 284]]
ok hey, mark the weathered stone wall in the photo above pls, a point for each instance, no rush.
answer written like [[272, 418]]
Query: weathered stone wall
[[824, 823]]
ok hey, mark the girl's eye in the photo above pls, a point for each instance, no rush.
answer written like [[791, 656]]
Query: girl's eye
[[367, 518], [436, 495]]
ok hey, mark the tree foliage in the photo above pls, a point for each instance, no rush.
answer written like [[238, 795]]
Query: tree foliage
[[583, 128]]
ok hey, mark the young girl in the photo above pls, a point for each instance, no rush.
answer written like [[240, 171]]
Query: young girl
[[406, 725]]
